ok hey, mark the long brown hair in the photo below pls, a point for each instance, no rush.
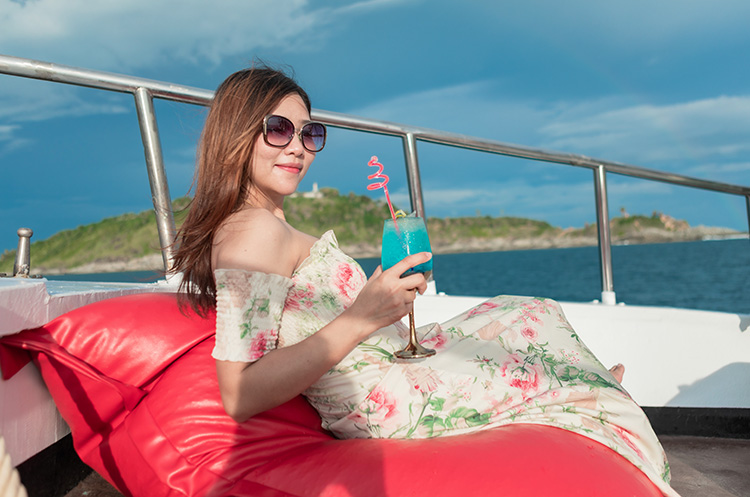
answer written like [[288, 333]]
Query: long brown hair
[[223, 171]]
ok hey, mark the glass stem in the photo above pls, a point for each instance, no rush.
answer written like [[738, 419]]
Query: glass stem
[[412, 328]]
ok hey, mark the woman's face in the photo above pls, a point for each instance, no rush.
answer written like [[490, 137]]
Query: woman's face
[[277, 171]]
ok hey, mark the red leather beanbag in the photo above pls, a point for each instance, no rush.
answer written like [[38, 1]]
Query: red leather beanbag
[[135, 380]]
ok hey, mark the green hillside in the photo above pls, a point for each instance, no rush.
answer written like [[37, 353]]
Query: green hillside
[[356, 219], [124, 237]]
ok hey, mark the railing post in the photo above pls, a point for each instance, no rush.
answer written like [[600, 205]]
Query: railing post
[[22, 265], [605, 239], [415, 192], [157, 176], [747, 205], [412, 175]]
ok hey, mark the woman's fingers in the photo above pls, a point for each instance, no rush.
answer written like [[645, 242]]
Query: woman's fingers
[[416, 282], [409, 262], [387, 297]]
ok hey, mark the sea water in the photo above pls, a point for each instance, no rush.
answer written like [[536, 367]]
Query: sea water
[[710, 275]]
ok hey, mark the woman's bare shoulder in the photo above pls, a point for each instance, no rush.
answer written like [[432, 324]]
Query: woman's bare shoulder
[[255, 240]]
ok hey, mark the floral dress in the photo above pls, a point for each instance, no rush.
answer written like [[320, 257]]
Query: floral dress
[[508, 360]]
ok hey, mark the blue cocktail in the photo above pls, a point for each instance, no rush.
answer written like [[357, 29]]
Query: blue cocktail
[[406, 236]]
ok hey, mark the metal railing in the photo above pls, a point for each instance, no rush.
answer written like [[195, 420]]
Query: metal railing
[[145, 90]]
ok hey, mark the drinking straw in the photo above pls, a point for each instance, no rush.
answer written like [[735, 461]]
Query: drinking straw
[[382, 184]]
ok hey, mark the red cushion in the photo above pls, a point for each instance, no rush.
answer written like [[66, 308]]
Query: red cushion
[[181, 431], [160, 430], [132, 338]]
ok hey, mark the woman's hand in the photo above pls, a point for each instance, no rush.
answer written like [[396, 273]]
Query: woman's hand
[[386, 297]]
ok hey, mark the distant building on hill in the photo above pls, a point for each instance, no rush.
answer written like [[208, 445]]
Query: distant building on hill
[[314, 193]]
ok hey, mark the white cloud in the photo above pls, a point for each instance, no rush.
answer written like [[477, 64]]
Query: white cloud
[[632, 25], [23, 102], [729, 167], [368, 5], [472, 108], [8, 139], [713, 127], [512, 198], [639, 187], [5, 132], [446, 197], [711, 130], [122, 35]]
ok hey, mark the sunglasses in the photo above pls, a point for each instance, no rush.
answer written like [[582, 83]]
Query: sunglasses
[[278, 131]]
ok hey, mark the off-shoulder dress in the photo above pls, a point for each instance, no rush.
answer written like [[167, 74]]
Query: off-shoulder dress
[[508, 360]]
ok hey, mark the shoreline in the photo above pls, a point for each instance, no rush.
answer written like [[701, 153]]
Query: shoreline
[[154, 262]]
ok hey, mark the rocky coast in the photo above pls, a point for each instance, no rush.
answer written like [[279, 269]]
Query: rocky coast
[[561, 239], [129, 242]]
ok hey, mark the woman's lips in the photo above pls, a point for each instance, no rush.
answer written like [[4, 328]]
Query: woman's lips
[[290, 168]]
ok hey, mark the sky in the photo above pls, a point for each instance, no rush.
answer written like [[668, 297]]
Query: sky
[[662, 84]]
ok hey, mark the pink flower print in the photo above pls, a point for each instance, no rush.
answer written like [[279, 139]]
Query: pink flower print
[[259, 344], [348, 282], [238, 285], [482, 308], [379, 407], [571, 356], [529, 334], [628, 437], [529, 311], [422, 380], [498, 405], [436, 341], [491, 331], [518, 374], [300, 298], [460, 392]]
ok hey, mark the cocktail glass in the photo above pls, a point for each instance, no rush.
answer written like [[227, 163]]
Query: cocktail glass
[[406, 236]]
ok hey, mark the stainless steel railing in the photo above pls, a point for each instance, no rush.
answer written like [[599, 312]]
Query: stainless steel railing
[[145, 90]]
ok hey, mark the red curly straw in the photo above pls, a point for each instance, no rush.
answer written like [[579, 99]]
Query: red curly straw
[[374, 186]]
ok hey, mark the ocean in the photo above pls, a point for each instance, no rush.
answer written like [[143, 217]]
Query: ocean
[[707, 275]]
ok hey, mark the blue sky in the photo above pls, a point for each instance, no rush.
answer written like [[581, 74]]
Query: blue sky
[[659, 84]]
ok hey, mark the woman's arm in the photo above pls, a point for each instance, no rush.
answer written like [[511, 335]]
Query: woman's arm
[[281, 374], [257, 241]]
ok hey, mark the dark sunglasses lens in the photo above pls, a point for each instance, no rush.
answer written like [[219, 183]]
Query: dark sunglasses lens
[[314, 136], [279, 131]]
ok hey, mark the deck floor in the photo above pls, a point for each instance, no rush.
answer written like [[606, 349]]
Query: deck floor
[[704, 466], [700, 467]]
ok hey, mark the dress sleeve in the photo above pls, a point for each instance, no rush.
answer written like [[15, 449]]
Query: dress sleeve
[[249, 305]]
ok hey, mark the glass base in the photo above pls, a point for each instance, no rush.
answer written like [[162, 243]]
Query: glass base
[[414, 351]]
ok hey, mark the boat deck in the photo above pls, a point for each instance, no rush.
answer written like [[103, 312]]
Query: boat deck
[[701, 467]]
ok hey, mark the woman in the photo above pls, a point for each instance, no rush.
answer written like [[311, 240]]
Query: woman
[[296, 315]]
